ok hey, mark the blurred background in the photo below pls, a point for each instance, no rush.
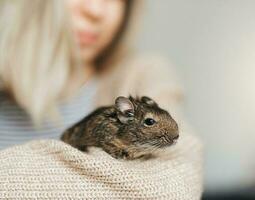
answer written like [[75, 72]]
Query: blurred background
[[212, 44]]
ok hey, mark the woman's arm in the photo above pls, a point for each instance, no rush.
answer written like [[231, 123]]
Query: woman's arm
[[50, 169]]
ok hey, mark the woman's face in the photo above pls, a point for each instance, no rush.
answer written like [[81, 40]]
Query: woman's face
[[95, 24]]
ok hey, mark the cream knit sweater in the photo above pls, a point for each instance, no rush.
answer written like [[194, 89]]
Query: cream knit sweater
[[50, 169]]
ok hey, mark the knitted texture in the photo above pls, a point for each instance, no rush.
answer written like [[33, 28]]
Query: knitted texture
[[51, 169]]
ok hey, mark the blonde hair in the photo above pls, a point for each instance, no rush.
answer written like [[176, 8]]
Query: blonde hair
[[37, 58], [37, 55]]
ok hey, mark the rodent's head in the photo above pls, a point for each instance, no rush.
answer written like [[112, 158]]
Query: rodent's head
[[145, 124]]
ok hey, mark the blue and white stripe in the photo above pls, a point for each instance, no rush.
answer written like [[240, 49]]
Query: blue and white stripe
[[16, 126]]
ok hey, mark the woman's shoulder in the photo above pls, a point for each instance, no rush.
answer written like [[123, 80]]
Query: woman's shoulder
[[145, 73], [151, 67], [153, 70], [148, 60]]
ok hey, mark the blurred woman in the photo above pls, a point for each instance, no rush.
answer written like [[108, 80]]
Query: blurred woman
[[46, 58], [58, 61]]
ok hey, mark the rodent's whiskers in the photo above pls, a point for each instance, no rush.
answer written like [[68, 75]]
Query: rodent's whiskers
[[147, 146], [137, 148], [167, 139]]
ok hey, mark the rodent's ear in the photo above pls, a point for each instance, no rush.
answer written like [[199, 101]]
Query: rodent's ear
[[124, 105], [148, 101], [125, 108]]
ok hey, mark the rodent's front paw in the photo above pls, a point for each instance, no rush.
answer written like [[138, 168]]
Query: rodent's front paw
[[125, 155], [147, 156], [120, 154]]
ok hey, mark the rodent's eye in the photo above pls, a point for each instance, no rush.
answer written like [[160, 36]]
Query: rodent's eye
[[149, 121]]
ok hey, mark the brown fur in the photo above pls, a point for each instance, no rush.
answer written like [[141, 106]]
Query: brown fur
[[121, 130]]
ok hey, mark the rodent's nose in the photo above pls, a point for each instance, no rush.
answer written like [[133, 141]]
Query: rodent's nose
[[176, 137]]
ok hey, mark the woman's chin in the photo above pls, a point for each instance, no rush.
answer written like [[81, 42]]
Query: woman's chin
[[87, 56]]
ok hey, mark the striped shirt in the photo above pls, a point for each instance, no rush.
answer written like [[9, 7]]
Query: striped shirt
[[16, 127]]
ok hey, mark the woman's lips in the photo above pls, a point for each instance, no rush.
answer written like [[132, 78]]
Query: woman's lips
[[86, 37]]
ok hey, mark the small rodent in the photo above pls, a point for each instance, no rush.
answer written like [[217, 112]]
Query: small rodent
[[131, 128]]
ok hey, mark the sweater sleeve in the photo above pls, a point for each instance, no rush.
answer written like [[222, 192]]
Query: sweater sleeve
[[50, 169]]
